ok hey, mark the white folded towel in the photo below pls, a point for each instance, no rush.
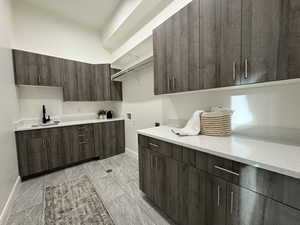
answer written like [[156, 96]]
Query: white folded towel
[[192, 128]]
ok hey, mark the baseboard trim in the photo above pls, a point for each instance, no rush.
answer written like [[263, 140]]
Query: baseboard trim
[[131, 153], [8, 205]]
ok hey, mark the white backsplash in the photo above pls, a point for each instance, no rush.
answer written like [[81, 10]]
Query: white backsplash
[[32, 98]]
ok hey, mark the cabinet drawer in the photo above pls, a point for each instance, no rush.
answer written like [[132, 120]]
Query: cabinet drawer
[[222, 168], [156, 145], [276, 186]]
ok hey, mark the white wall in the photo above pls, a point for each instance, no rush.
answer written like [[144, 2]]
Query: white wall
[[9, 108], [268, 113], [139, 99], [38, 31]]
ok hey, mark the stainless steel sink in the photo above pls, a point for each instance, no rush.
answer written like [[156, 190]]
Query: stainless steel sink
[[52, 123]]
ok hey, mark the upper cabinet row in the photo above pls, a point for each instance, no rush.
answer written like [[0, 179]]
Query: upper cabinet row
[[80, 81], [220, 43]]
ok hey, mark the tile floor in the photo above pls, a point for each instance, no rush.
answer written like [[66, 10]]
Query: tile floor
[[118, 189]]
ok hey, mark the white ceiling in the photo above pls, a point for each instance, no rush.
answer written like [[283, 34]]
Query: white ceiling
[[92, 13]]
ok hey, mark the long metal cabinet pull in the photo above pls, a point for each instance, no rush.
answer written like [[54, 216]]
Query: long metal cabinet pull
[[246, 68], [227, 171], [169, 79], [154, 145], [234, 70], [174, 83], [218, 201], [231, 202]]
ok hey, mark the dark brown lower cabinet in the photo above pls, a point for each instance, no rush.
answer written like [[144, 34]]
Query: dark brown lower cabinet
[[244, 206], [192, 188], [55, 151], [32, 149], [78, 143], [109, 138], [44, 150], [279, 214], [193, 207], [216, 203]]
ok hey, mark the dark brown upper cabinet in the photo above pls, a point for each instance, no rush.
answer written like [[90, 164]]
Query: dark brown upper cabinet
[[230, 42], [262, 29], [36, 69], [84, 81], [185, 49], [211, 43], [70, 91], [80, 81]]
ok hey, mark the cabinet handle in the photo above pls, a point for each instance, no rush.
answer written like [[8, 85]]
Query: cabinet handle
[[154, 145], [44, 144], [227, 171], [234, 70], [246, 68], [39, 80], [218, 200], [81, 135], [174, 83], [169, 81], [231, 202], [83, 143]]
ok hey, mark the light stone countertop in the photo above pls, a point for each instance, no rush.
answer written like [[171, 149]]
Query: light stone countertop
[[279, 158], [29, 126]]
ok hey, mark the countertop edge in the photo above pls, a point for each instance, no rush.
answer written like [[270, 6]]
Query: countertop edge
[[253, 163], [68, 124]]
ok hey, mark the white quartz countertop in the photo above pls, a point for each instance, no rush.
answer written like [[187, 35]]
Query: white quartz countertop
[[29, 126], [279, 158]]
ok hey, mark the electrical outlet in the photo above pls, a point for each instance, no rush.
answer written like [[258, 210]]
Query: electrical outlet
[[128, 116]]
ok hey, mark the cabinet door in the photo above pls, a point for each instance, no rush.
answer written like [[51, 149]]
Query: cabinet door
[[37, 160], [26, 68], [292, 24], [84, 79], [202, 50], [55, 150], [161, 81], [172, 188], [279, 214], [70, 90], [71, 144], [120, 129], [177, 52], [109, 139], [44, 70], [106, 82], [55, 71], [99, 141], [160, 178], [195, 198], [98, 81], [146, 159], [216, 201], [244, 206], [230, 42], [261, 39]]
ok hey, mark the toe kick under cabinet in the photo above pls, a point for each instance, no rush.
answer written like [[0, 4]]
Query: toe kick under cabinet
[[49, 149], [195, 188]]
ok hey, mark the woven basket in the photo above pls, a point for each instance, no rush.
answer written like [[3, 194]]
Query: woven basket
[[216, 124]]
